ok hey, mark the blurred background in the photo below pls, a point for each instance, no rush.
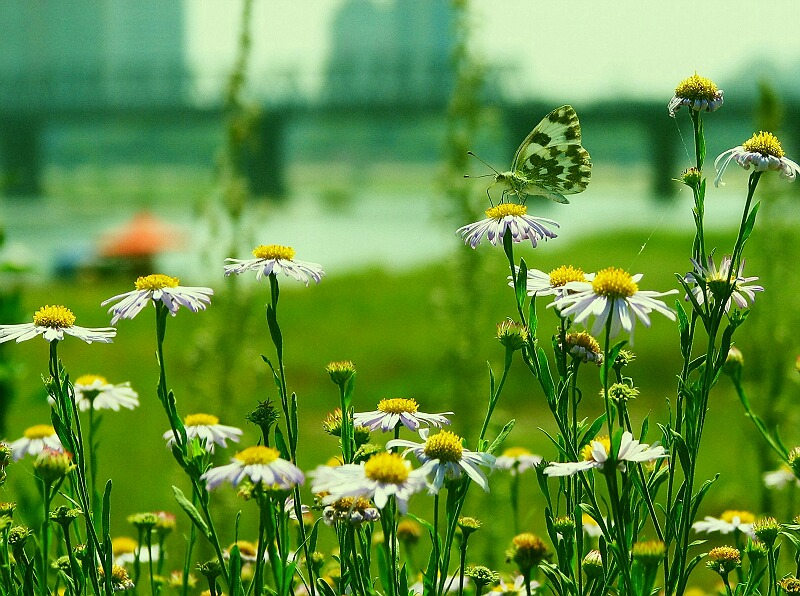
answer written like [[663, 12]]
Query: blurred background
[[143, 136]]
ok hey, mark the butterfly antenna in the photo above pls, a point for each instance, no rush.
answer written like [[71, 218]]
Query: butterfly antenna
[[484, 163]]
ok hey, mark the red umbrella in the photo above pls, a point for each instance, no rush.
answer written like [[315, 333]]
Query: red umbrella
[[143, 236]]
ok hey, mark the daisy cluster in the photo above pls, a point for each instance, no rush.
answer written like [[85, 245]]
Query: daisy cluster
[[442, 458]]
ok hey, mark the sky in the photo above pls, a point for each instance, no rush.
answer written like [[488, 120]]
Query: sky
[[559, 48]]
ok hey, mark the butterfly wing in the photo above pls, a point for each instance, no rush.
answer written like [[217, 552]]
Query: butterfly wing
[[552, 159]]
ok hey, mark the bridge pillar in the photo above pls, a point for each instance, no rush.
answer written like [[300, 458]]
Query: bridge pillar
[[264, 162], [663, 154], [20, 157]]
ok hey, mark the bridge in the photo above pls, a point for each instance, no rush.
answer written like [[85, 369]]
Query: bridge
[[31, 106]]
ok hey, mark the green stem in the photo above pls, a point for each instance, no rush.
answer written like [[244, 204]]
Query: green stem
[[277, 340], [463, 562], [437, 561], [495, 397], [45, 539], [149, 541]]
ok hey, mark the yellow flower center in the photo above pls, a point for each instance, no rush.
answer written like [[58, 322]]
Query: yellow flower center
[[697, 87], [527, 541], [722, 554], [504, 209], [55, 316], [745, 517], [89, 379], [350, 503], [586, 452], [398, 405], [614, 283], [273, 251], [257, 455], [564, 274], [444, 446], [123, 545], [40, 431], [583, 340], [200, 420], [388, 468], [156, 281], [119, 575], [764, 143], [516, 452]]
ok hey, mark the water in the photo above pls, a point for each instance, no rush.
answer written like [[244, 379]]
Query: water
[[395, 232]]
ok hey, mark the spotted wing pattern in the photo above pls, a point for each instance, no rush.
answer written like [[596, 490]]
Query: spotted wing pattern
[[552, 159]]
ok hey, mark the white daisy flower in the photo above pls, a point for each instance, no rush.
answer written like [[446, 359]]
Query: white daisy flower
[[540, 283], [696, 93], [718, 282], [763, 151], [158, 288], [591, 527], [384, 475], [94, 392], [34, 440], [392, 412], [207, 429], [730, 521], [274, 259], [248, 551], [52, 322], [259, 464], [443, 456], [511, 217], [517, 460], [126, 550], [597, 452], [518, 587], [612, 293], [780, 478]]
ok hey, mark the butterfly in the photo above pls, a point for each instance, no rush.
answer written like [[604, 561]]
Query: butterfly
[[550, 161]]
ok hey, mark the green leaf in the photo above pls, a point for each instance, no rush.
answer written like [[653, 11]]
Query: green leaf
[[750, 223], [324, 588], [288, 573], [521, 282], [679, 445], [235, 569], [546, 379], [698, 497], [280, 444], [106, 513], [404, 580], [275, 331], [383, 569], [683, 329], [533, 320], [190, 510], [497, 443], [313, 536], [592, 431], [607, 367]]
